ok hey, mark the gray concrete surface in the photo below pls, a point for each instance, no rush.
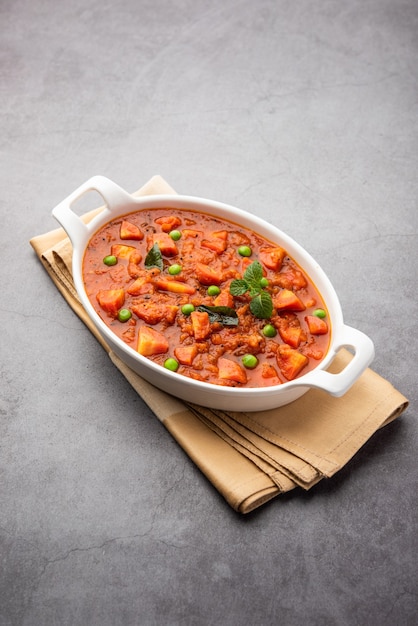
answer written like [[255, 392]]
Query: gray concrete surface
[[304, 113]]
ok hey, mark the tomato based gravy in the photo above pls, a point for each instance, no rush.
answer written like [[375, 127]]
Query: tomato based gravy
[[206, 298]]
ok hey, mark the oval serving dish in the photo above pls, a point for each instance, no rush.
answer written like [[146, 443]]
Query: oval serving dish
[[119, 203]]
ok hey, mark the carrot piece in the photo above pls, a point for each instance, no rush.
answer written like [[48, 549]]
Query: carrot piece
[[272, 257], [231, 370], [165, 243], [215, 244], [200, 324], [135, 289], [224, 299], [290, 361], [130, 231], [122, 251], [186, 354], [111, 300], [189, 233], [298, 281], [168, 222], [316, 325], [170, 313], [150, 342], [143, 277], [207, 275], [314, 353], [268, 371], [246, 262], [174, 286], [152, 313], [135, 258], [134, 270], [286, 300], [290, 279], [292, 335]]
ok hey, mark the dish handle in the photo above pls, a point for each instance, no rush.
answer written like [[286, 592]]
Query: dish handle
[[338, 384], [112, 194]]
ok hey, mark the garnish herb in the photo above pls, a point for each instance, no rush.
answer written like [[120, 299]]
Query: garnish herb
[[261, 304], [222, 314], [154, 258]]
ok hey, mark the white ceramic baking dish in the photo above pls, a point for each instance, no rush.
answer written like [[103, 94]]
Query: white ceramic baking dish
[[119, 202]]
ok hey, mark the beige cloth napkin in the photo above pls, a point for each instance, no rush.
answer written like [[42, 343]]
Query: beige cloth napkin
[[250, 457]]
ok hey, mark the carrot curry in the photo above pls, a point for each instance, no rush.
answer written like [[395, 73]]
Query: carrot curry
[[206, 298]]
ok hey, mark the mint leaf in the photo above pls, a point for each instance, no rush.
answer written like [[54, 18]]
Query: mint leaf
[[238, 287], [223, 314], [154, 258], [261, 306], [253, 274], [254, 291]]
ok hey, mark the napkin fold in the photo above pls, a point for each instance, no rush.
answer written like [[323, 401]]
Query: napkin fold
[[249, 457]]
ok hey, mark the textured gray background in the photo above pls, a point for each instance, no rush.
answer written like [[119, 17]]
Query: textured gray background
[[302, 112]]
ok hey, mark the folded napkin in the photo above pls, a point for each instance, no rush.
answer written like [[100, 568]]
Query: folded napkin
[[250, 457]]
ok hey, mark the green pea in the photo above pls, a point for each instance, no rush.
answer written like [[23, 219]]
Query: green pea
[[213, 290], [124, 315], [249, 361], [110, 260], [264, 282], [320, 313], [245, 251], [175, 235], [174, 269], [186, 309], [269, 330], [171, 364]]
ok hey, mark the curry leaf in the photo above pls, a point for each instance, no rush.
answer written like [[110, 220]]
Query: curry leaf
[[154, 258], [222, 314]]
